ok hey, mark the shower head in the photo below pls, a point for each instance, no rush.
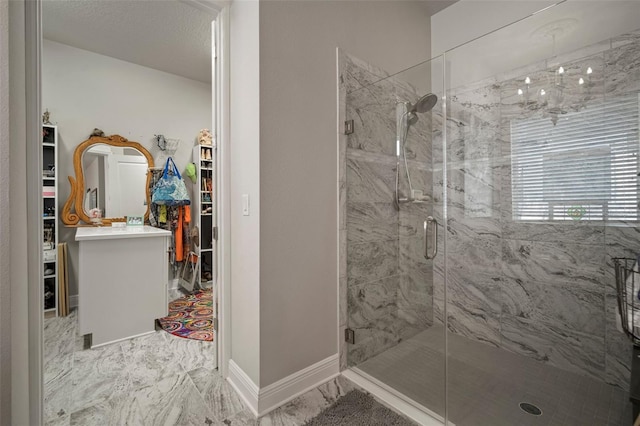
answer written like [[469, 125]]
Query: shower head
[[424, 104]]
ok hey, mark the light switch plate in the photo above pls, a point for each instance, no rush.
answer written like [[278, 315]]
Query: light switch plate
[[245, 204]]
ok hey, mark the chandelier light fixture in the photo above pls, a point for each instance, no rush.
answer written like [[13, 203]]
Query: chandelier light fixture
[[549, 96]]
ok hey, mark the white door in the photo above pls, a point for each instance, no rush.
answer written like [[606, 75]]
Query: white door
[[126, 192], [215, 199]]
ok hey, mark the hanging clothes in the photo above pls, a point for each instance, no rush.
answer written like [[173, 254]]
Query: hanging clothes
[[178, 236], [186, 217], [162, 218]]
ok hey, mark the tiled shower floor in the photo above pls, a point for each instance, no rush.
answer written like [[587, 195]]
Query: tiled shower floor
[[487, 384]]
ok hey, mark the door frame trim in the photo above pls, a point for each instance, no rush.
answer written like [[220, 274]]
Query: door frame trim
[[33, 61]]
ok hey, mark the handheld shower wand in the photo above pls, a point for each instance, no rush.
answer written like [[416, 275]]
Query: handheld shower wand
[[407, 115]]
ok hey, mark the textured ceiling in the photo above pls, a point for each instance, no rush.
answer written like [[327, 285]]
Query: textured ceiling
[[170, 36]]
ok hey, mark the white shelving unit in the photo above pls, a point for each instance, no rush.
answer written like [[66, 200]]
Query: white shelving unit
[[50, 218], [204, 213]]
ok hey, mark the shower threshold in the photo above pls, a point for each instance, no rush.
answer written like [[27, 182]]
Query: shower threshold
[[394, 399]]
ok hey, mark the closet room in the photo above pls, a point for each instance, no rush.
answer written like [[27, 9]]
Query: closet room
[[129, 198]]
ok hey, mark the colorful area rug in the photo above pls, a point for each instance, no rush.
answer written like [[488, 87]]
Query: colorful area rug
[[191, 317]]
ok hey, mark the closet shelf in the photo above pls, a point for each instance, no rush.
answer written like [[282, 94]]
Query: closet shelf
[[204, 217]]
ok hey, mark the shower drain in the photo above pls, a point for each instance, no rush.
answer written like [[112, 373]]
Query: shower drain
[[530, 409]]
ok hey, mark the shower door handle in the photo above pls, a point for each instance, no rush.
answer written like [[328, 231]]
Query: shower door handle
[[430, 221]]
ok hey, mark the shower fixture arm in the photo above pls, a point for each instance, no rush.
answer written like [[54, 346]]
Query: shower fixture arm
[[396, 195], [406, 115], [404, 155]]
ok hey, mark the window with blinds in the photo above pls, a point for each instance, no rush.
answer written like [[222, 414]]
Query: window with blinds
[[583, 168]]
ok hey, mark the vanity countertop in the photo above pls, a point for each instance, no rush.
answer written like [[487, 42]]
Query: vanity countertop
[[110, 233]]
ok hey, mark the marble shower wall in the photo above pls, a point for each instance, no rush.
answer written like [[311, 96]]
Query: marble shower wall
[[385, 285], [544, 290]]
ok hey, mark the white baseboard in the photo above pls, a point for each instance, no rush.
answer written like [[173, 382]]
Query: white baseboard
[[73, 301], [267, 399], [391, 398], [245, 387], [294, 385]]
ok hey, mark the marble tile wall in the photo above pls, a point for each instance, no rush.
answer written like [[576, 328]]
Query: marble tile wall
[[544, 290], [385, 290]]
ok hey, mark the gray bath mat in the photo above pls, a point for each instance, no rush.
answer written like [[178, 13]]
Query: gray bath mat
[[358, 408]]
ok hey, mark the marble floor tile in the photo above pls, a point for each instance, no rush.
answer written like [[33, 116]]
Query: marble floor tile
[[60, 421], [192, 354], [144, 381], [98, 374], [116, 383], [172, 401], [57, 367], [57, 398], [58, 334], [119, 410], [218, 394], [150, 359], [243, 418]]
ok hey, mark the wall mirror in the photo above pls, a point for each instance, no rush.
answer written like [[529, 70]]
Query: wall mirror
[[111, 174]]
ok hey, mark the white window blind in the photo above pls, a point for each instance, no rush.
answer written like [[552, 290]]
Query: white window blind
[[583, 168]]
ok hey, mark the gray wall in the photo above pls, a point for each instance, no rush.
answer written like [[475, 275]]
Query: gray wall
[[16, 248], [298, 152], [245, 165], [5, 235]]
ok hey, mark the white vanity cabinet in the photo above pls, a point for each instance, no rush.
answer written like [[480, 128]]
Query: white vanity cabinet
[[122, 281]]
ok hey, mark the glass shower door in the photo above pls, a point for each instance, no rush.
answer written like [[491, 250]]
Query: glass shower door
[[396, 337], [541, 166]]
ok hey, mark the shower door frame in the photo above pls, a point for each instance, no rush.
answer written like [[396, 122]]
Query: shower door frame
[[412, 409]]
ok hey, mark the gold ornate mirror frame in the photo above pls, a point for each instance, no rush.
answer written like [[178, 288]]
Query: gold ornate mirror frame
[[75, 202]]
